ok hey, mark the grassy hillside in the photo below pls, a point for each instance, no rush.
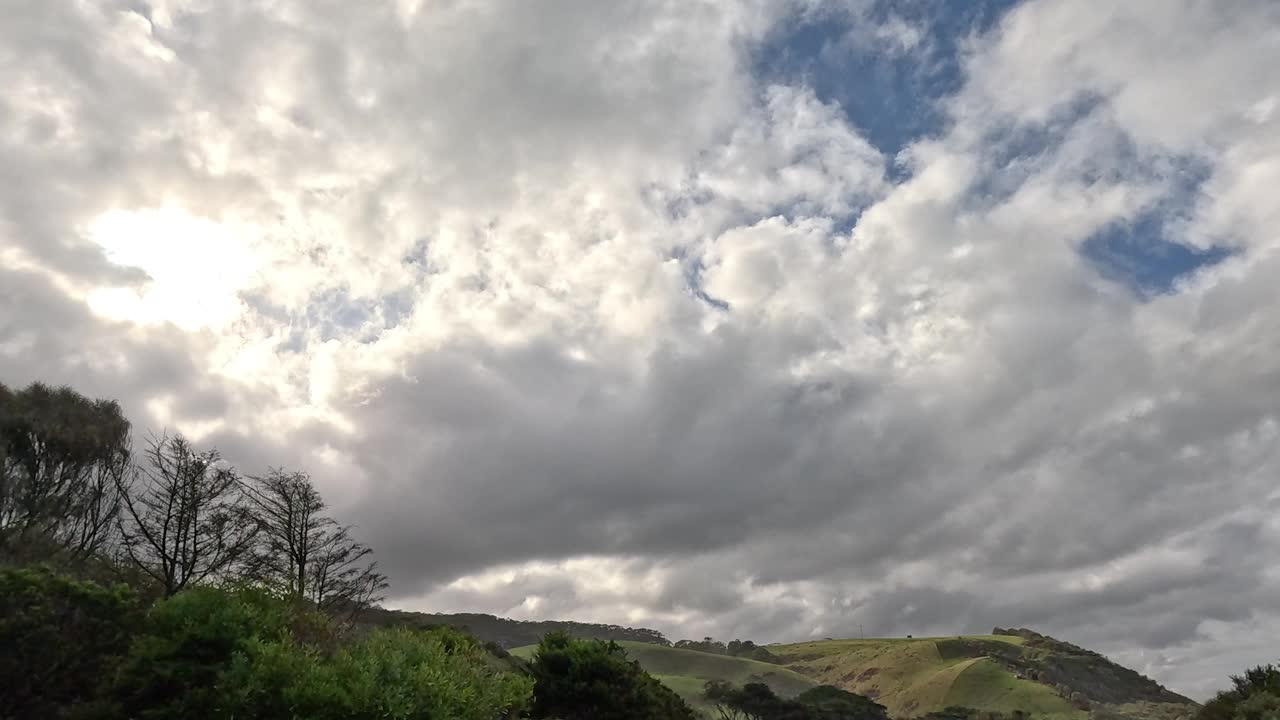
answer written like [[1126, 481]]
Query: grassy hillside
[[1011, 670], [1006, 671], [914, 676], [685, 671]]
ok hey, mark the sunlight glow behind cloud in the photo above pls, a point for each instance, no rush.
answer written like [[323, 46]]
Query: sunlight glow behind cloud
[[196, 267]]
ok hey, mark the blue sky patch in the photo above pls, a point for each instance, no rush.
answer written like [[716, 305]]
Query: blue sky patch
[[889, 92], [1139, 255]]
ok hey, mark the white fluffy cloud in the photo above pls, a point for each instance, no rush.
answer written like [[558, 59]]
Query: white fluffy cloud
[[575, 317]]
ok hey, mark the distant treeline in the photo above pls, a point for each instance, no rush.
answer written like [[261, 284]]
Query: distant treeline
[[507, 633], [733, 648]]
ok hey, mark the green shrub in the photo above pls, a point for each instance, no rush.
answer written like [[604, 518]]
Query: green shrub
[[388, 675], [594, 680], [209, 653], [174, 670], [58, 637], [832, 703], [1255, 695]]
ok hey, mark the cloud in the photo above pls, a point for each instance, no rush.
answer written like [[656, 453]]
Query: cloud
[[596, 311]]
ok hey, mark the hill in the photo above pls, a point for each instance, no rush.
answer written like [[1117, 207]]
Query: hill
[[1006, 671], [686, 671]]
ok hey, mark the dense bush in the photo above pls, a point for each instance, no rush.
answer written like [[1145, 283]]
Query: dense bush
[[594, 680], [76, 649], [175, 669], [1255, 695], [757, 701], [391, 675], [832, 703], [215, 654], [58, 637]]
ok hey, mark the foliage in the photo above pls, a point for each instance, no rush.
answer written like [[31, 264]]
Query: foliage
[[592, 679], [61, 459], [734, 648], [174, 669], [706, 645], [390, 674], [210, 653], [753, 701], [832, 703], [185, 523], [960, 712], [756, 701], [748, 649], [1255, 695], [305, 554], [58, 637]]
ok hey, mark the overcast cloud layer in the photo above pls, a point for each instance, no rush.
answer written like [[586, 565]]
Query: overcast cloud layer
[[748, 319]]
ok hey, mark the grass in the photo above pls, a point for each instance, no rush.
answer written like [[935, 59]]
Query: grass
[[913, 676], [835, 647], [984, 684]]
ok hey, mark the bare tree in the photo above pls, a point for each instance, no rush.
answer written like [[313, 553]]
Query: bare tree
[[62, 460], [184, 519], [305, 554]]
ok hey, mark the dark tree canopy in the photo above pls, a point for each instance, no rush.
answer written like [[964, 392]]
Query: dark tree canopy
[[832, 703], [305, 554], [734, 648], [62, 457], [757, 701], [594, 680]]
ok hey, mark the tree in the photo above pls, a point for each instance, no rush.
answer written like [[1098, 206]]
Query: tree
[[724, 698], [748, 649], [1255, 695], [305, 554], [706, 645], [184, 519], [831, 703], [62, 457], [594, 680], [757, 701]]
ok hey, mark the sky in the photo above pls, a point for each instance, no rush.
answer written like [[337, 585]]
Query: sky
[[769, 319]]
